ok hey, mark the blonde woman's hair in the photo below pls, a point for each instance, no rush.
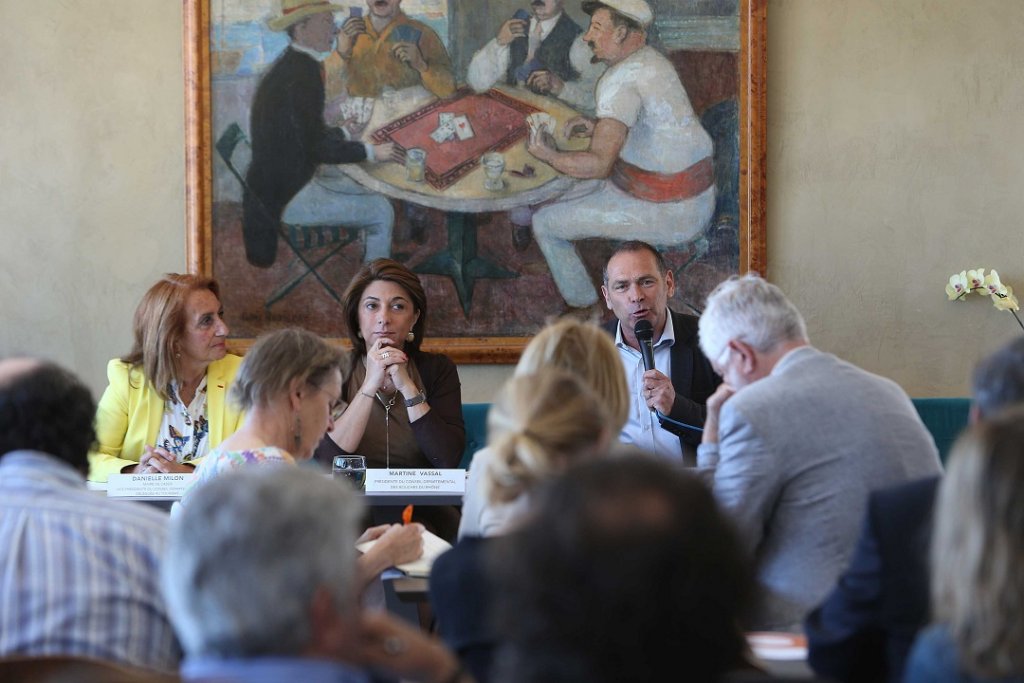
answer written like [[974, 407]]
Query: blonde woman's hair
[[588, 352], [978, 548], [159, 325], [279, 358], [537, 427]]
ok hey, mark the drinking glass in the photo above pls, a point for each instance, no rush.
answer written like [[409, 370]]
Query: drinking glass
[[494, 167], [415, 164], [351, 467]]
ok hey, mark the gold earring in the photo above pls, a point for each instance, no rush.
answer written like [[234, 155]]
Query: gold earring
[[411, 337]]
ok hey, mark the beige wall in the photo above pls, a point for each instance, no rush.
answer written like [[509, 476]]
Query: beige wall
[[895, 147]]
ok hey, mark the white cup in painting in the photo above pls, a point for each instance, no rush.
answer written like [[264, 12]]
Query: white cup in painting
[[494, 167]]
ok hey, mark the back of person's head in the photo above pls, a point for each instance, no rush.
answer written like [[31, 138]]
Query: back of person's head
[[247, 555], [278, 359], [998, 380], [537, 427], [978, 547], [43, 407], [587, 351], [159, 325], [625, 570], [750, 309]]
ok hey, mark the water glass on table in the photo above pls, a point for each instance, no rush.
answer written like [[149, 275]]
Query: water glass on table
[[351, 467], [494, 167]]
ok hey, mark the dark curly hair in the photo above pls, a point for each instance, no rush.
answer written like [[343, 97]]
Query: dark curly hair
[[48, 409], [624, 569]]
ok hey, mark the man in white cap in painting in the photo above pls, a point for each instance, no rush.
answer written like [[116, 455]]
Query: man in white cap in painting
[[648, 171], [290, 142]]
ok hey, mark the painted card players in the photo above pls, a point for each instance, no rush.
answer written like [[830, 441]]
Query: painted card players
[[647, 173]]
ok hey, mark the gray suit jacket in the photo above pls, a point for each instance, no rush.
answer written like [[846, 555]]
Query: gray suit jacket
[[798, 453]]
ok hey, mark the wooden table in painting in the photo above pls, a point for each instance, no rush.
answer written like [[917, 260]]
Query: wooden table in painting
[[454, 182]]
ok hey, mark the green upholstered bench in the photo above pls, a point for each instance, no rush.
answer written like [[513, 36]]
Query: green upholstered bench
[[475, 417], [945, 418]]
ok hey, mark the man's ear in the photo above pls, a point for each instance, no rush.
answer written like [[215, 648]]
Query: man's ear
[[333, 634], [748, 357], [670, 282], [620, 34], [604, 293]]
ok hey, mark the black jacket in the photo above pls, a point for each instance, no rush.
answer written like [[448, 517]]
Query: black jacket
[[692, 378], [289, 140], [552, 53]]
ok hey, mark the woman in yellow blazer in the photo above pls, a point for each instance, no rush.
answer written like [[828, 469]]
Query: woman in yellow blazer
[[165, 405]]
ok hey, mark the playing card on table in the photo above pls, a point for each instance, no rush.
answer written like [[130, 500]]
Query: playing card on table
[[462, 127], [443, 133], [446, 118]]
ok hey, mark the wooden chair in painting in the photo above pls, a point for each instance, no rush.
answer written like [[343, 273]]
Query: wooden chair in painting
[[303, 240]]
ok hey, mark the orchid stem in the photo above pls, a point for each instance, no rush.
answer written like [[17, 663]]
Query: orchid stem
[[1018, 318]]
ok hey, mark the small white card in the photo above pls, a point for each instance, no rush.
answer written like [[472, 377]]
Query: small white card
[[462, 127], [148, 485], [408, 480]]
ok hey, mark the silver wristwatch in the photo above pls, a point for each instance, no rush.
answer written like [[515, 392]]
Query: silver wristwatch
[[416, 400]]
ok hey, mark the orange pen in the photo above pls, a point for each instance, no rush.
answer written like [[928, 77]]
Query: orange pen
[[407, 514]]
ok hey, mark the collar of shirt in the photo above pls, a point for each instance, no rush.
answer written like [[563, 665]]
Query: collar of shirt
[[546, 26], [40, 465], [668, 336], [270, 670], [318, 56]]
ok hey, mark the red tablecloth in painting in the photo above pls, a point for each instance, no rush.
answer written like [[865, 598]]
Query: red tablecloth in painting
[[498, 122]]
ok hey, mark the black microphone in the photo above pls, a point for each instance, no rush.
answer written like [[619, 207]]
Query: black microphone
[[644, 333]]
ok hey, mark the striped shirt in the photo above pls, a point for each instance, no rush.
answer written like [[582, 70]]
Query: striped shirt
[[79, 574]]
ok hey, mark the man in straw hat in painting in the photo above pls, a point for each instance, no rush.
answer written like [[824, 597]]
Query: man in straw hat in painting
[[290, 141]]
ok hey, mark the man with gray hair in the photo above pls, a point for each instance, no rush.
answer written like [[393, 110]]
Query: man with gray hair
[[796, 439], [260, 580]]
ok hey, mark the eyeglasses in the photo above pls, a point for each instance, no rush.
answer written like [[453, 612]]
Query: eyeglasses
[[337, 409]]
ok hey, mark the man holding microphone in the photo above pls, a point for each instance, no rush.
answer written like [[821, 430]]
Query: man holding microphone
[[668, 409]]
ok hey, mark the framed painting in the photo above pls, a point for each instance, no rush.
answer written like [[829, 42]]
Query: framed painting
[[491, 281]]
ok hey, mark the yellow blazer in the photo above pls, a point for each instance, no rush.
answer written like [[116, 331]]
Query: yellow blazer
[[129, 414]]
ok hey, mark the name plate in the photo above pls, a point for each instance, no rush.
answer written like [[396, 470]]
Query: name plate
[[148, 485], [407, 480]]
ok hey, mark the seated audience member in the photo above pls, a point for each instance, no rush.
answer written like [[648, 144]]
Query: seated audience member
[[585, 351], [864, 629], [544, 50], [539, 425], [794, 440], [625, 570], [78, 572], [637, 286], [289, 386], [261, 584], [400, 406], [164, 407], [977, 583]]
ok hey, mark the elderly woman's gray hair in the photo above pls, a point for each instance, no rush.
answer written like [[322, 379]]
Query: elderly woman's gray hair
[[750, 309], [279, 358], [248, 553]]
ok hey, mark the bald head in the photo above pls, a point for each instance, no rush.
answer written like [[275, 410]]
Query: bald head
[[43, 407], [13, 368]]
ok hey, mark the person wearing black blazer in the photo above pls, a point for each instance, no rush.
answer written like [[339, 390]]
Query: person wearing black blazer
[[637, 286], [864, 629]]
